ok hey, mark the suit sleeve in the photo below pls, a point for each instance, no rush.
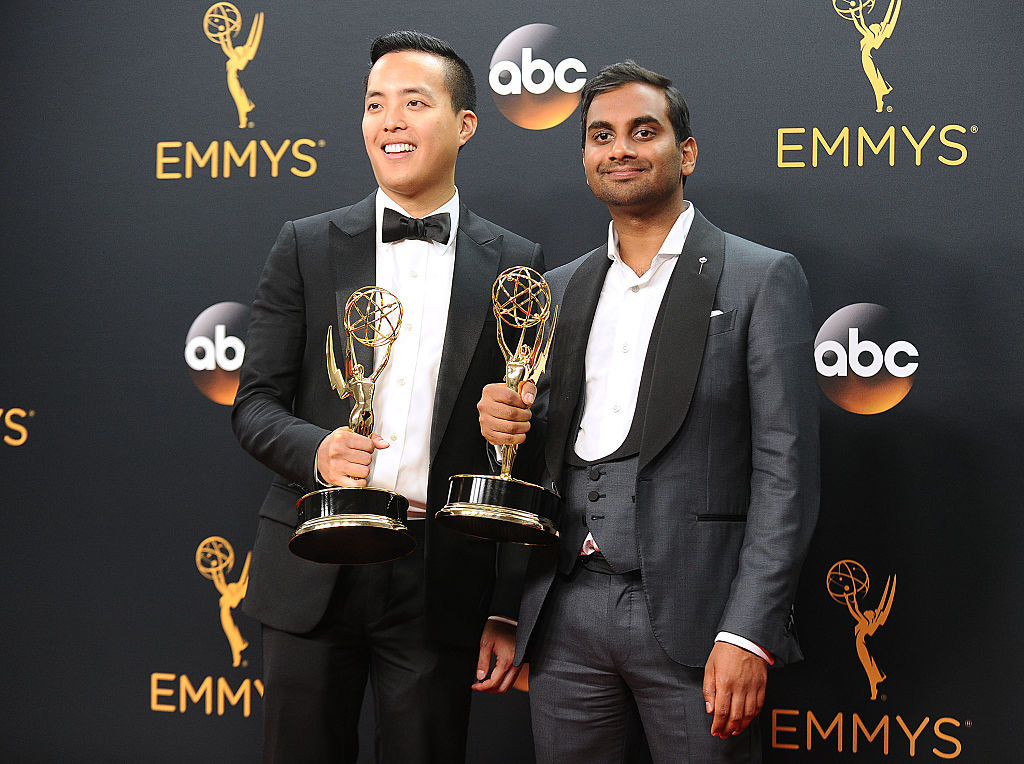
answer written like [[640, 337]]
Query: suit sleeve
[[262, 417], [784, 480]]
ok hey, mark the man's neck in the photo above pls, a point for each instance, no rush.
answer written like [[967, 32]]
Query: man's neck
[[424, 203], [642, 231]]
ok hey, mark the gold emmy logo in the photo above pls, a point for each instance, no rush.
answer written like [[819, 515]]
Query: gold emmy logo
[[214, 558], [221, 23], [846, 581], [872, 37]]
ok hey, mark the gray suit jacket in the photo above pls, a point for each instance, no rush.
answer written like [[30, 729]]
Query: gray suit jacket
[[285, 406], [727, 483]]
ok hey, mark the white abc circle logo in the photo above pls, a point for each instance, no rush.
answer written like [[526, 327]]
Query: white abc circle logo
[[861, 365], [214, 351], [224, 351], [525, 76], [845, 362], [527, 87]]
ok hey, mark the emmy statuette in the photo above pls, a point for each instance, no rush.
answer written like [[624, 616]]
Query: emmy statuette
[[357, 526], [502, 508]]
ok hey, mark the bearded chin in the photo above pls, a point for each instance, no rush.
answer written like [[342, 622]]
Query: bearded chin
[[627, 195]]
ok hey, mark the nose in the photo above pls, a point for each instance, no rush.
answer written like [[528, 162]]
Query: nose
[[393, 120], [622, 148]]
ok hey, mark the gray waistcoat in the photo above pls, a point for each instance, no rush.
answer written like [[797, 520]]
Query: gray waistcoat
[[600, 499]]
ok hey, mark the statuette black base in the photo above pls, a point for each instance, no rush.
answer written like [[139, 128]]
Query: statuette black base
[[500, 509], [352, 526]]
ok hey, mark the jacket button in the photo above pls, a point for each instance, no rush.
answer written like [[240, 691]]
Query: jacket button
[[593, 496], [594, 473]]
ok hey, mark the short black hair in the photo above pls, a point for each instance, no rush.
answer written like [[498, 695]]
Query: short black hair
[[458, 76], [624, 73]]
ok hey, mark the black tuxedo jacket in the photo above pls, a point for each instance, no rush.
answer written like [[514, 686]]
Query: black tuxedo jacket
[[727, 481], [285, 406]]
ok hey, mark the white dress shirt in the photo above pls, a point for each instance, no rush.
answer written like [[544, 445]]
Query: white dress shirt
[[619, 336], [419, 273], [616, 352]]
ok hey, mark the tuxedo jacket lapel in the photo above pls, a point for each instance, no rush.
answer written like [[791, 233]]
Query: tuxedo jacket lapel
[[689, 298], [354, 262], [477, 260], [569, 352]]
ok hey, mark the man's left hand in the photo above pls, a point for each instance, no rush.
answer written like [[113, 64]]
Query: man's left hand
[[734, 682], [499, 640]]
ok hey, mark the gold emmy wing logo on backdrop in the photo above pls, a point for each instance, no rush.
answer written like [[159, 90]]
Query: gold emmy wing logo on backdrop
[[872, 37], [875, 730], [921, 139], [200, 157], [222, 23], [847, 582], [214, 558]]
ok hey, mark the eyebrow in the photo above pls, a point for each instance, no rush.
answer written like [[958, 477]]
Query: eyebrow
[[404, 91], [646, 119]]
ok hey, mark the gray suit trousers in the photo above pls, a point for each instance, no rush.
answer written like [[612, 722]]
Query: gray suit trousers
[[593, 649]]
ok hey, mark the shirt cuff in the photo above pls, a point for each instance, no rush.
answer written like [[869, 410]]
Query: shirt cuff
[[746, 644], [316, 470], [503, 619]]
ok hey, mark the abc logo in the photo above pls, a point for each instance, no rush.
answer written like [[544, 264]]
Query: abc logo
[[214, 352], [862, 364], [533, 84]]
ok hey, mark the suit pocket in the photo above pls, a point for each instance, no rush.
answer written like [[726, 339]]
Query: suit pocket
[[721, 518], [723, 322], [280, 504]]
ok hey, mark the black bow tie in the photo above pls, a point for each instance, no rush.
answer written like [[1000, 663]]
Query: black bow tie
[[397, 226]]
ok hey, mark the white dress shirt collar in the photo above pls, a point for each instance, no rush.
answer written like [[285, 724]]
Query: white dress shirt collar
[[671, 247]]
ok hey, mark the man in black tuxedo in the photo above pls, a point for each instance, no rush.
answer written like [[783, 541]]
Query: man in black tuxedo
[[422, 628], [679, 423]]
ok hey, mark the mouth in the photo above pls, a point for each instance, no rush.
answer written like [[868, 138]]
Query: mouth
[[623, 171], [398, 149]]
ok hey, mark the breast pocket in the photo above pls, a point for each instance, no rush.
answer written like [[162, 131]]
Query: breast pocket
[[723, 322]]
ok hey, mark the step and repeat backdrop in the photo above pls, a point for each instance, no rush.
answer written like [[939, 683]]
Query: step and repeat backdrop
[[151, 152]]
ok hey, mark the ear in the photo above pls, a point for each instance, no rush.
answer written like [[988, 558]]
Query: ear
[[688, 149], [467, 126]]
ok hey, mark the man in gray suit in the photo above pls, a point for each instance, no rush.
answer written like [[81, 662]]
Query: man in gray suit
[[679, 424]]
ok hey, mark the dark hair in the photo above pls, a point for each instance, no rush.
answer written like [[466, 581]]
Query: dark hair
[[624, 73], [458, 77]]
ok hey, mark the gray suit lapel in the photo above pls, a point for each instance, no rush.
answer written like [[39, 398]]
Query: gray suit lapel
[[477, 260], [569, 352], [354, 262], [689, 299]]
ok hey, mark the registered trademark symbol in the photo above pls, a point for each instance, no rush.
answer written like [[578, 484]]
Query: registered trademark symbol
[[883, 697], [321, 143], [888, 108], [974, 128], [32, 413], [245, 663]]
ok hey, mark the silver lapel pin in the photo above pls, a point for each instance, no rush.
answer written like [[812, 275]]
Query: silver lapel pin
[[701, 261]]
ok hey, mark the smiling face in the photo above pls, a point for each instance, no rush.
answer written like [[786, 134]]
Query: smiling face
[[411, 132], [630, 153]]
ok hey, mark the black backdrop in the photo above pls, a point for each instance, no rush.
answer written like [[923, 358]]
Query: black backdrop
[[116, 468]]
